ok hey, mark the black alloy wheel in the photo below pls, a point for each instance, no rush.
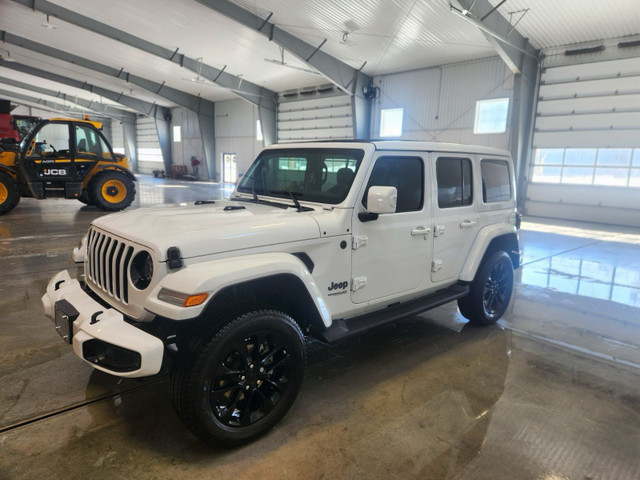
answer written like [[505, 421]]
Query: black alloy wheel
[[243, 381], [248, 384], [490, 291], [497, 290]]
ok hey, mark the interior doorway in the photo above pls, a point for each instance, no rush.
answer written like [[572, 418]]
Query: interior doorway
[[229, 168]]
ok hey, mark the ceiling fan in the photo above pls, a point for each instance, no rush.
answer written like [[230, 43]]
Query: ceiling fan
[[282, 63]]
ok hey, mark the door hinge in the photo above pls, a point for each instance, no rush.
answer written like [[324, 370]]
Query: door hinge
[[359, 241], [357, 283], [438, 230], [436, 265]]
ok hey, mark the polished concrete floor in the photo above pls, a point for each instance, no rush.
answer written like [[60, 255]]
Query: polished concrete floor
[[552, 392]]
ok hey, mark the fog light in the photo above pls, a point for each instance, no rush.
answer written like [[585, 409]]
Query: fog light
[[110, 356]]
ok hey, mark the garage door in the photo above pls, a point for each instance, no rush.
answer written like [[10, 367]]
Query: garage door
[[149, 153], [586, 157], [308, 115]]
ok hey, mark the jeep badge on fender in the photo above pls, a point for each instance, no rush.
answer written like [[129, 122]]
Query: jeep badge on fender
[[227, 300]]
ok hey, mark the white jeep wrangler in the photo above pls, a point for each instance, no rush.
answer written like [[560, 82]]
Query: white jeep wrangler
[[319, 239]]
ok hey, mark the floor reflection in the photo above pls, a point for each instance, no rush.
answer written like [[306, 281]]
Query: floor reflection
[[576, 275]]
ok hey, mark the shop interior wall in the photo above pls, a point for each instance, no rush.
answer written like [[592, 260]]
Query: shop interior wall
[[440, 102], [190, 144], [235, 130]]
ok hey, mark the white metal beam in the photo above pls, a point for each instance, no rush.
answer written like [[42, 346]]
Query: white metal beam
[[344, 76], [99, 108], [254, 94]]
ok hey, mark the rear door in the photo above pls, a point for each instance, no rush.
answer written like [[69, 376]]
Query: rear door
[[455, 214]]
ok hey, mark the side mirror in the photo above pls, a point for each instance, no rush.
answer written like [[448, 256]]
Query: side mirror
[[382, 199]]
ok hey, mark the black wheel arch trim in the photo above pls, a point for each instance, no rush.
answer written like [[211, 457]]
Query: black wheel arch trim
[[126, 171]]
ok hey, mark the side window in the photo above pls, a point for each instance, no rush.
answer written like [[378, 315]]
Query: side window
[[51, 141], [496, 183], [90, 145], [454, 182], [404, 173]]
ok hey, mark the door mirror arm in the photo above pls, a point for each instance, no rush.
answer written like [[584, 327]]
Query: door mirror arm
[[367, 216]]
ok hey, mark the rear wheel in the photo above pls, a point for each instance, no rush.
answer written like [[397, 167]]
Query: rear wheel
[[9, 193], [490, 291], [243, 381], [111, 191]]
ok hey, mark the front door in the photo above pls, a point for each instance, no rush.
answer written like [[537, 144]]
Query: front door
[[48, 156], [392, 253]]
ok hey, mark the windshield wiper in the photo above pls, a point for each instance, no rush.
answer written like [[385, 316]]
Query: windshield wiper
[[292, 195]]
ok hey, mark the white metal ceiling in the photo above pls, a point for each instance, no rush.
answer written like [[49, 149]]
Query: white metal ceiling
[[389, 35]]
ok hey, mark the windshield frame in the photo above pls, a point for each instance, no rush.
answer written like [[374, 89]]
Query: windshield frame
[[311, 174]]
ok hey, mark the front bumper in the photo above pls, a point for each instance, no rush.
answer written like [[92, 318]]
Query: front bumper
[[98, 332]]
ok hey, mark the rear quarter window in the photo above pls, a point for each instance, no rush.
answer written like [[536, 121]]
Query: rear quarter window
[[496, 181]]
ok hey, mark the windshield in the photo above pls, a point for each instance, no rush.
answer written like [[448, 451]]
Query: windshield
[[322, 175]]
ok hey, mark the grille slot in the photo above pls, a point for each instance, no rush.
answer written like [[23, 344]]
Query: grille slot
[[108, 263]]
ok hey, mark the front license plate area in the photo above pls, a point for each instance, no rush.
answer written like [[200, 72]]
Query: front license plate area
[[65, 315]]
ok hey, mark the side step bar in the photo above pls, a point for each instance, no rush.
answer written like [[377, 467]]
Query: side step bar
[[341, 328]]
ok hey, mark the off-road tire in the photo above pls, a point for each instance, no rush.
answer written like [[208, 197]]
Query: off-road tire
[[243, 381], [84, 197], [111, 191], [9, 193], [490, 291]]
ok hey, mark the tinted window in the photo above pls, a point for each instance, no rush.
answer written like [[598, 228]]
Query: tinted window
[[454, 182], [404, 173], [496, 184]]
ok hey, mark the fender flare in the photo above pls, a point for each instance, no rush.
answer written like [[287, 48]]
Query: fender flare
[[476, 253], [126, 171], [215, 275], [10, 170]]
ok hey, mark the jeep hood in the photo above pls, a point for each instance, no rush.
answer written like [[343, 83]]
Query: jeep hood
[[208, 228]]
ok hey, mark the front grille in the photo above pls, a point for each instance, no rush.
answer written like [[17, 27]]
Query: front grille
[[108, 260]]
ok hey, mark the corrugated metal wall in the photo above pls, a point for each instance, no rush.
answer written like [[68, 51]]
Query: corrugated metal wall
[[439, 103], [586, 144], [190, 144], [313, 116]]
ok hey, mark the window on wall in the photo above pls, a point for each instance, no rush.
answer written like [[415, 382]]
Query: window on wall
[[491, 116], [391, 122], [615, 167], [259, 136], [177, 134]]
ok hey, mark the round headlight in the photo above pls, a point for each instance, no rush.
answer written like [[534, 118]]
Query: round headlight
[[141, 270]]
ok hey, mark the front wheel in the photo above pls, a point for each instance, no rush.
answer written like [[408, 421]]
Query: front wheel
[[9, 193], [243, 381], [111, 190], [490, 291]]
